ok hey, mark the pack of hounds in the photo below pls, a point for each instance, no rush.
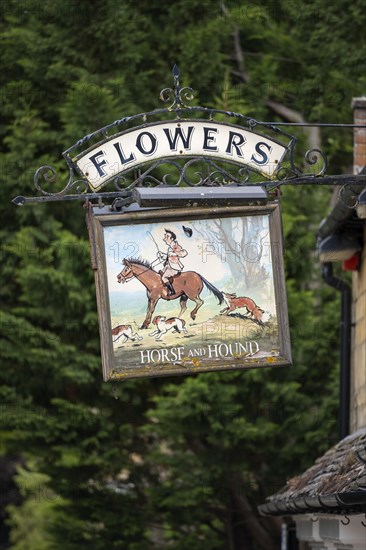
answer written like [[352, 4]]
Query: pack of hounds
[[176, 325]]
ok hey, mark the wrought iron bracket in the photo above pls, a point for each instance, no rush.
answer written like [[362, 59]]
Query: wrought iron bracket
[[184, 171], [124, 197], [57, 197]]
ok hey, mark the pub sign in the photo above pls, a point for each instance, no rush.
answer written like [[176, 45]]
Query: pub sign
[[184, 283], [188, 256], [189, 290]]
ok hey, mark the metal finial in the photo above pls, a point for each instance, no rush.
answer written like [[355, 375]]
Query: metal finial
[[175, 71], [178, 95]]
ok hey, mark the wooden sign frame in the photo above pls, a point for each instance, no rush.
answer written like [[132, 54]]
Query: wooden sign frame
[[210, 255]]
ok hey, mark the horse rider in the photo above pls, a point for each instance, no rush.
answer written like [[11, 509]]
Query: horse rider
[[172, 266]]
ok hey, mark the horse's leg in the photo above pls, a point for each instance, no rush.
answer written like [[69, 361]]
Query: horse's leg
[[223, 311], [199, 303], [194, 295], [150, 310], [183, 304]]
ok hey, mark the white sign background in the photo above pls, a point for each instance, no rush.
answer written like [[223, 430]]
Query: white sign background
[[178, 139]]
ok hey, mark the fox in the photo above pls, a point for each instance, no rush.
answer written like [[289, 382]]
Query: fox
[[234, 302]]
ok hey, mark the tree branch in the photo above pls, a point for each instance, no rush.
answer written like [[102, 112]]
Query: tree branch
[[253, 526], [294, 116], [279, 108], [237, 46]]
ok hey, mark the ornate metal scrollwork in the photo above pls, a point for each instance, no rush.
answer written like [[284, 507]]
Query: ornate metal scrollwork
[[348, 199], [313, 157], [208, 173], [184, 170], [215, 175], [178, 95], [120, 183], [151, 177], [48, 174]]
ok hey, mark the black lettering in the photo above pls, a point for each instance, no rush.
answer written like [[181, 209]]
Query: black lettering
[[99, 165], [207, 137], [142, 147], [263, 156], [237, 143], [179, 133], [121, 154]]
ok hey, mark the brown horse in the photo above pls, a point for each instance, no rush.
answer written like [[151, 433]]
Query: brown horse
[[187, 285]]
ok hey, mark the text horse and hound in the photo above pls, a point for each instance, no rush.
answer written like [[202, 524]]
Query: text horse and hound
[[187, 285]]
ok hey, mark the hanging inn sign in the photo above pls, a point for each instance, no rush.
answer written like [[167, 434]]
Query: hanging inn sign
[[186, 244], [190, 290]]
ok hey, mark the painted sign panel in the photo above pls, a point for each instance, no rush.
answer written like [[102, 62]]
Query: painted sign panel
[[199, 290], [188, 138]]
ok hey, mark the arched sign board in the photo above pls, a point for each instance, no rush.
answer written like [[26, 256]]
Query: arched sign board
[[180, 138], [188, 290]]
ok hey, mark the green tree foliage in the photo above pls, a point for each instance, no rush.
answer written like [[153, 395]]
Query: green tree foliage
[[181, 462]]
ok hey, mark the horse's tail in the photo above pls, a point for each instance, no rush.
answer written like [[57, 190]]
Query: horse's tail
[[215, 291]]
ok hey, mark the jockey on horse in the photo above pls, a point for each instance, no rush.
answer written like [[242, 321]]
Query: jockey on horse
[[172, 266]]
